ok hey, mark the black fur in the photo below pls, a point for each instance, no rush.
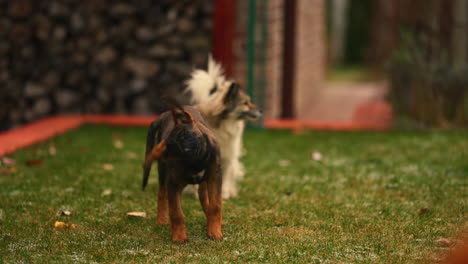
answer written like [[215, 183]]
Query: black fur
[[194, 150], [213, 90], [184, 147], [151, 138], [230, 100]]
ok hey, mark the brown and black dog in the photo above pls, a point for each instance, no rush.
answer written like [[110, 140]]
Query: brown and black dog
[[187, 153]]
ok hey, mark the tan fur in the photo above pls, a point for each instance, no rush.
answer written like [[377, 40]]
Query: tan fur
[[227, 129]]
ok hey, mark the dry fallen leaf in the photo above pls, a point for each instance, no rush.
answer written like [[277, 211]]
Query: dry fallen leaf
[[65, 213], [131, 155], [106, 192], [107, 166], [118, 144], [444, 242], [59, 224], [137, 214], [52, 150], [423, 211], [33, 162], [284, 163], [8, 161], [137, 252], [116, 136], [317, 156], [5, 172]]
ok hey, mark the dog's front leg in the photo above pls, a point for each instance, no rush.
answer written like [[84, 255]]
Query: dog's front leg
[[213, 212], [229, 179], [176, 215]]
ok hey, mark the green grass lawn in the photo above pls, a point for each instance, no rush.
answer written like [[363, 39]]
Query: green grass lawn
[[359, 204], [353, 74]]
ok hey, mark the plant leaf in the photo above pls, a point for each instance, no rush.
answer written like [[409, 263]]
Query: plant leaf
[[65, 213], [52, 150], [33, 162], [137, 214], [317, 156], [8, 161], [106, 192], [118, 144], [107, 166], [59, 224], [284, 163]]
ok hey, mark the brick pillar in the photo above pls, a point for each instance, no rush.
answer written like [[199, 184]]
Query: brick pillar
[[310, 54], [274, 58]]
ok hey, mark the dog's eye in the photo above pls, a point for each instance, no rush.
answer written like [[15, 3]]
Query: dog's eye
[[246, 102]]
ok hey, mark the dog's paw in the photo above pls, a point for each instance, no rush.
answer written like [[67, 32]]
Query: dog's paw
[[215, 235], [179, 238], [226, 195], [229, 193]]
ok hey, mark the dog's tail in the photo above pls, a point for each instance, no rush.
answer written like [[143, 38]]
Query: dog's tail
[[203, 83], [152, 152]]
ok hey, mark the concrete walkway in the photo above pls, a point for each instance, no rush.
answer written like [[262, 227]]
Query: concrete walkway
[[341, 101]]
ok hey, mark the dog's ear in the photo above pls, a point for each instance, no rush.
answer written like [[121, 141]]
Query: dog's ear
[[232, 94], [188, 117], [180, 115]]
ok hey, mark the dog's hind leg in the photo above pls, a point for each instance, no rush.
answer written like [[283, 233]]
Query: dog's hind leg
[[174, 193], [213, 212], [162, 215]]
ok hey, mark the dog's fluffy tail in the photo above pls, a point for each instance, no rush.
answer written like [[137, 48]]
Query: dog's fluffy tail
[[203, 82]]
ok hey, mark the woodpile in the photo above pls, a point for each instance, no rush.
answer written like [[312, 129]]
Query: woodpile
[[97, 56]]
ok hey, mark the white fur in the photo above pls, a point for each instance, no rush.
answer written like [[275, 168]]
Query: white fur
[[229, 136], [229, 132], [201, 82]]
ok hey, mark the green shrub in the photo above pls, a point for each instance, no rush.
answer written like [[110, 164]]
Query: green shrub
[[426, 88]]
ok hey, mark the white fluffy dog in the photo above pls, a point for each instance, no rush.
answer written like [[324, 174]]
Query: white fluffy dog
[[225, 108]]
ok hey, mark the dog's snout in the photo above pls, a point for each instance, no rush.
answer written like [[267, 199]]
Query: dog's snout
[[258, 112], [252, 114]]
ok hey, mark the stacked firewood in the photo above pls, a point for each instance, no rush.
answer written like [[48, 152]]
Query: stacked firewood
[[96, 56]]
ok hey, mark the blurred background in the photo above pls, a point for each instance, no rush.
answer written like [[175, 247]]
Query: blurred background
[[396, 63]]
